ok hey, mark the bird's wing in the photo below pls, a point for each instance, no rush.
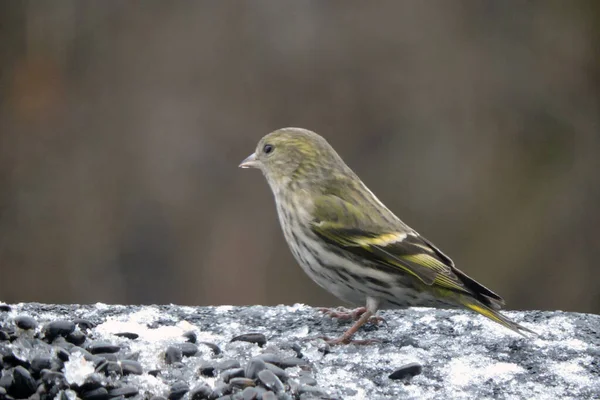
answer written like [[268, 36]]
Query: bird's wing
[[391, 246]]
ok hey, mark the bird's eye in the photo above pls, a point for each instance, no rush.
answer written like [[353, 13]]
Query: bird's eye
[[268, 148]]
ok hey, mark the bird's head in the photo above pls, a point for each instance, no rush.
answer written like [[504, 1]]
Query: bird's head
[[294, 155]]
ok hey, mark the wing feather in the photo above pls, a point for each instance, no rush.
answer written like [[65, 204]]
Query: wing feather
[[392, 247]]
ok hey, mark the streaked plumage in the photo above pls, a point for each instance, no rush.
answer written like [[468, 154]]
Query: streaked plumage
[[351, 244]]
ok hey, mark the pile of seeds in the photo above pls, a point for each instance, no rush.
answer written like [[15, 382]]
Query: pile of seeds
[[37, 363]]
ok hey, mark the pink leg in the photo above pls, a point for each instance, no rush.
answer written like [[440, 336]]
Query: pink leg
[[354, 315], [346, 338]]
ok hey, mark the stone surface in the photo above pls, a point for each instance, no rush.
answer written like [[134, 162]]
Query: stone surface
[[462, 355]]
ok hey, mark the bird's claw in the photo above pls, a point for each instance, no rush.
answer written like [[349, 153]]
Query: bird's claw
[[345, 314]]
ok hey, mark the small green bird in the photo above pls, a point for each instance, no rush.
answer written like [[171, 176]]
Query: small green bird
[[351, 244]]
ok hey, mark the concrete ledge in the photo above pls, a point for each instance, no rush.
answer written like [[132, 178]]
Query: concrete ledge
[[109, 351]]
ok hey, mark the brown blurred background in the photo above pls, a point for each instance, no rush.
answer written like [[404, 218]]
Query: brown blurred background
[[123, 122]]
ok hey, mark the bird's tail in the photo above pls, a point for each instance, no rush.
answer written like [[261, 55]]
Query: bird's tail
[[495, 316]]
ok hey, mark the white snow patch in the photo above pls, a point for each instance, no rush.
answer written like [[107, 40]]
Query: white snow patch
[[573, 371], [102, 306], [478, 369], [232, 327], [301, 332], [149, 384], [78, 368], [296, 307], [427, 319], [187, 309], [342, 379], [575, 344], [151, 342], [223, 309], [556, 327]]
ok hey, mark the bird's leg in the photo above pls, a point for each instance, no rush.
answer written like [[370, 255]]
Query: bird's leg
[[345, 314], [346, 338], [364, 315]]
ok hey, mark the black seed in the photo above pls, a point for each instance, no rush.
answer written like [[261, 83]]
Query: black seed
[[96, 394], [125, 391], [103, 347], [128, 335], [25, 322], [108, 356], [4, 335], [207, 368], [6, 380], [102, 367], [407, 371], [62, 343], [324, 348], [257, 338], [178, 390], [232, 373], [92, 382], [39, 363], [227, 364], [269, 396], [58, 328], [4, 307], [312, 390], [83, 323], [62, 354], [131, 367], [173, 355], [307, 380], [200, 392], [53, 378], [188, 349], [271, 381], [190, 336], [269, 358], [294, 347], [76, 337], [23, 384], [114, 366], [7, 355], [241, 383], [215, 349], [279, 372], [154, 372], [291, 362], [250, 393], [254, 367]]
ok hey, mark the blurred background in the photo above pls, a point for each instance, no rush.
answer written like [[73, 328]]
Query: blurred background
[[122, 125]]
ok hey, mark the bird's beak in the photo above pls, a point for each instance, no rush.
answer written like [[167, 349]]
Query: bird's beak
[[249, 162]]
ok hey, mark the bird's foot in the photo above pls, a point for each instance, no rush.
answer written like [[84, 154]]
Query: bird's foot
[[344, 314]]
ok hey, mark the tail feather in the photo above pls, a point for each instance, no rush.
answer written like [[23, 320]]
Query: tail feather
[[480, 292], [496, 316]]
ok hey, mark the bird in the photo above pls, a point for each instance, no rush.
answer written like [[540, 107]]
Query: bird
[[349, 243]]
